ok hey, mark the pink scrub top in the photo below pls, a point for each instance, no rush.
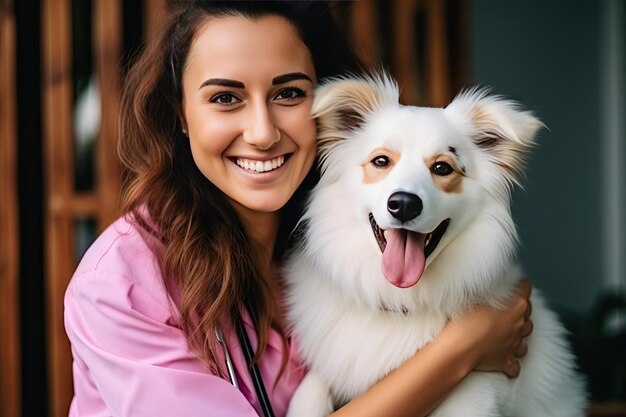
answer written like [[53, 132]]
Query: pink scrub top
[[130, 355]]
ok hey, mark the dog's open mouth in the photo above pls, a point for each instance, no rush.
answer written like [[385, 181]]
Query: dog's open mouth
[[405, 252], [430, 242]]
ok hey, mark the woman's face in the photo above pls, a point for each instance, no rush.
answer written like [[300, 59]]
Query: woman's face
[[247, 93]]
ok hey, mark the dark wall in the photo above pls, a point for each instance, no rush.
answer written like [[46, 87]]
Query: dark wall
[[555, 57], [546, 54]]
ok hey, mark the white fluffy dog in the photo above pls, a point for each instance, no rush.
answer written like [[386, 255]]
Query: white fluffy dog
[[409, 226]]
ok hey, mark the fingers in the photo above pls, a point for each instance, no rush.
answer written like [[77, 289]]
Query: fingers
[[521, 350], [527, 328], [529, 311], [512, 368], [524, 288]]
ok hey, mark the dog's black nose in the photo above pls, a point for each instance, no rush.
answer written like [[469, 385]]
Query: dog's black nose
[[404, 206]]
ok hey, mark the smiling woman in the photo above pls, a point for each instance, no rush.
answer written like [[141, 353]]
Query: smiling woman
[[217, 144]]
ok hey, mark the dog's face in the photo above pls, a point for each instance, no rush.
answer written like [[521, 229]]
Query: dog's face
[[413, 164], [421, 177]]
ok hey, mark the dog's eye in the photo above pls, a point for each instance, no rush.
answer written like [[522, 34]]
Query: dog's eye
[[381, 161], [441, 169]]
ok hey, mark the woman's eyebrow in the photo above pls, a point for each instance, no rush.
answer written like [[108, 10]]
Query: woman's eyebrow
[[280, 79], [223, 82], [285, 78]]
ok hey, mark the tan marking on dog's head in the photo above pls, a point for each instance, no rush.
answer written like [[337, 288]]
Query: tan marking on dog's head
[[379, 164], [342, 105], [502, 130], [448, 180]]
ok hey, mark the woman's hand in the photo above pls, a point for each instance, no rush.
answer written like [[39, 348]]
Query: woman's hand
[[496, 338]]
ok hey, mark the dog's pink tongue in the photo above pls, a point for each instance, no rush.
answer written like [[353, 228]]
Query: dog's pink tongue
[[403, 258]]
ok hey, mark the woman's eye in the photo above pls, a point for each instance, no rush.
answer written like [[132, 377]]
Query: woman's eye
[[381, 161], [441, 168], [291, 93], [225, 98]]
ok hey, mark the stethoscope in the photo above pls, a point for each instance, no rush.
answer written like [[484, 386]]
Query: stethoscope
[[255, 374]]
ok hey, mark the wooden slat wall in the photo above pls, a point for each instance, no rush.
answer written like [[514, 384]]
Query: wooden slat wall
[[64, 205], [107, 26], [404, 61], [9, 243], [59, 180]]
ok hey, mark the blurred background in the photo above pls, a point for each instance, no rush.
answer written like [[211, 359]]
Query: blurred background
[[61, 66]]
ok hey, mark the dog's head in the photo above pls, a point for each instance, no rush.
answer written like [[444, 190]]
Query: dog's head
[[422, 178]]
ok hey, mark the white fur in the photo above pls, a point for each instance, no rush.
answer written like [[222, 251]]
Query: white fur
[[353, 327]]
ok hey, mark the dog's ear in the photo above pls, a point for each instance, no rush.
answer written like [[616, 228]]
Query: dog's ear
[[341, 105], [499, 127]]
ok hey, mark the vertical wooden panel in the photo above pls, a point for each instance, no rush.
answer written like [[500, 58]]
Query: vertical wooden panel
[[154, 13], [365, 32], [9, 244], [404, 59], [438, 71], [58, 149], [459, 65], [107, 24]]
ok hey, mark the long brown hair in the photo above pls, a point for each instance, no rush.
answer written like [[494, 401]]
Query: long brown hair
[[206, 261]]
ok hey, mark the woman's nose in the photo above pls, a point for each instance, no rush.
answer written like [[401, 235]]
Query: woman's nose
[[261, 130]]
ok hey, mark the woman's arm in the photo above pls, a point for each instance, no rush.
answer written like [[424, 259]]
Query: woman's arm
[[484, 339]]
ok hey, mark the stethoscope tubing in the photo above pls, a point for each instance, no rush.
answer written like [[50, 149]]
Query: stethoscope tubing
[[255, 374], [230, 367]]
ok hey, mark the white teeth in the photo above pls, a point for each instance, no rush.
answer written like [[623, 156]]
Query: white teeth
[[260, 166]]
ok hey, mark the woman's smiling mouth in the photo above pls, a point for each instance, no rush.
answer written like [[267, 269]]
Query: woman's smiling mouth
[[260, 166]]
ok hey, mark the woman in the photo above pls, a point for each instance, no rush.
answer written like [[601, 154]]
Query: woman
[[218, 146]]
